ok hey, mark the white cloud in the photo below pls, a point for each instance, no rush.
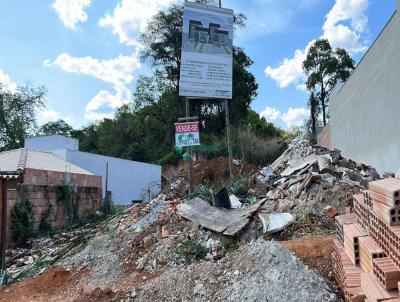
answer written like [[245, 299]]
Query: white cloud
[[270, 114], [117, 71], [71, 12], [112, 71], [130, 17], [295, 116], [291, 70], [346, 36], [104, 103], [47, 115], [6, 82]]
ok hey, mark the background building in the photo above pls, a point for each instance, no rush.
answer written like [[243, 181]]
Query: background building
[[43, 179], [365, 111], [127, 180]]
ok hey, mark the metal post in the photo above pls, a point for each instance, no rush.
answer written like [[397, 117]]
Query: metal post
[[3, 241], [228, 129], [190, 162], [228, 134]]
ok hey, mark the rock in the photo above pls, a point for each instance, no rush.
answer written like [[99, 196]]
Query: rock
[[199, 289], [388, 175], [235, 202], [148, 241], [141, 263], [330, 211], [164, 232], [134, 293]]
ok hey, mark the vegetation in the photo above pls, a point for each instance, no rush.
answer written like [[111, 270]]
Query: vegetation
[[22, 218], [192, 250], [143, 130], [324, 68], [18, 115]]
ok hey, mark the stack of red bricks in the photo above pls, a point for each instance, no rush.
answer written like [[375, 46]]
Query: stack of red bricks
[[367, 250]]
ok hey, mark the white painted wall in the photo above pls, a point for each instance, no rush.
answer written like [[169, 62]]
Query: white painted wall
[[365, 112], [127, 180], [51, 142]]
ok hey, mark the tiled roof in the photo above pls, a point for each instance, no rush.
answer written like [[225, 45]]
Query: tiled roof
[[19, 159]]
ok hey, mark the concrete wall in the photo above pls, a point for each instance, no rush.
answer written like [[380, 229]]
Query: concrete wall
[[51, 142], [127, 180], [365, 112], [324, 137]]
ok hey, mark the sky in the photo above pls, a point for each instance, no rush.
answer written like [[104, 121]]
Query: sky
[[86, 52]]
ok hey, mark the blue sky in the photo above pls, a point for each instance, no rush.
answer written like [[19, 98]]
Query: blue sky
[[86, 51]]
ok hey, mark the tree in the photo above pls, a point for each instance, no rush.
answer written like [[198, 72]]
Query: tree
[[324, 68], [58, 127], [314, 107], [18, 115]]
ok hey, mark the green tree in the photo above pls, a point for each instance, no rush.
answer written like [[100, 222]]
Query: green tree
[[58, 127], [18, 115], [324, 68], [315, 109]]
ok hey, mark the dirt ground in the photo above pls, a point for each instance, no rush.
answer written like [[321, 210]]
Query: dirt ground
[[58, 284], [211, 171]]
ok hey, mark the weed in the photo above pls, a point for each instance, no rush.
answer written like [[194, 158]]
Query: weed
[[204, 192], [22, 219], [112, 231], [192, 250]]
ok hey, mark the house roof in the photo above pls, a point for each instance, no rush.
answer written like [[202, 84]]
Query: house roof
[[19, 159]]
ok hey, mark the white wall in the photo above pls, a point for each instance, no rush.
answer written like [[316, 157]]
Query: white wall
[[51, 142], [128, 180], [365, 112]]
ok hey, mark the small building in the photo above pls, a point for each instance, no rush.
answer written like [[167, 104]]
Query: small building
[[127, 180], [364, 111], [60, 192]]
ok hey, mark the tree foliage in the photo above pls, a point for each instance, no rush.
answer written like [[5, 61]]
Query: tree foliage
[[58, 127], [18, 115], [324, 68], [144, 130]]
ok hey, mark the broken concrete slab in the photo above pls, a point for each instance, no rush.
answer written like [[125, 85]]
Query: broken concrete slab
[[275, 222], [227, 222]]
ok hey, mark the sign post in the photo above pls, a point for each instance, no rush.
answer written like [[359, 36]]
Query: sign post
[[207, 58], [187, 134]]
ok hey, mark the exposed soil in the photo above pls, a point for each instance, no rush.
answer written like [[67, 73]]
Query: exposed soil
[[214, 171], [53, 285]]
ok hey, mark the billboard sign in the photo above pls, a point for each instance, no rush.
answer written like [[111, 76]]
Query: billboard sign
[[187, 134], [206, 60]]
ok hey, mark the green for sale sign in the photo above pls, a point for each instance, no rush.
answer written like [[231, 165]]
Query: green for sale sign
[[187, 134]]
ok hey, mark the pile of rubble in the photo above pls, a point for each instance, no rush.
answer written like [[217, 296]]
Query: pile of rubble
[[25, 262], [309, 179]]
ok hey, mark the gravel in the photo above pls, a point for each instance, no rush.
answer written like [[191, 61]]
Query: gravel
[[260, 271]]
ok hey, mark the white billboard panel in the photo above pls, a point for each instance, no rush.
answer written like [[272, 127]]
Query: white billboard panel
[[206, 60]]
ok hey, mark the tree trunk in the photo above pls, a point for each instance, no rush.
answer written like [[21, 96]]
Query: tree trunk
[[323, 109]]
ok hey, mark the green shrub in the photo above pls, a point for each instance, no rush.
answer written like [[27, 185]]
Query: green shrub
[[204, 192], [256, 150], [192, 250], [22, 222]]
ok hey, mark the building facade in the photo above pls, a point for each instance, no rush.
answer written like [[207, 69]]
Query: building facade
[[61, 193], [364, 111], [127, 180]]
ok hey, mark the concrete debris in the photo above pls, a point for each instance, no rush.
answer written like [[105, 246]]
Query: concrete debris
[[157, 205], [235, 202], [276, 222], [259, 271], [227, 222], [313, 177]]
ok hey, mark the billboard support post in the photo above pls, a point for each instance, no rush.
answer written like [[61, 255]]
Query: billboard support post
[[228, 129], [189, 150]]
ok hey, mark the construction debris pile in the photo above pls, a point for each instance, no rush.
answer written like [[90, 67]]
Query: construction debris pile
[[309, 179], [367, 249], [23, 262]]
